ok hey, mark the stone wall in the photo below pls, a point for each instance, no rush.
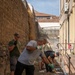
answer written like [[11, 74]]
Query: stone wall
[[14, 17], [31, 21]]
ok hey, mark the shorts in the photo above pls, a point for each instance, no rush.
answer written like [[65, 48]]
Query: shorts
[[50, 53], [13, 62]]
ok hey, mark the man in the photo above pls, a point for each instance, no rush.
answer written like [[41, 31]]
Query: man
[[14, 52], [46, 45], [27, 58], [40, 63], [50, 54]]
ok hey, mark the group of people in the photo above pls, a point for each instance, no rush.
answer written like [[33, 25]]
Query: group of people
[[50, 55], [35, 49]]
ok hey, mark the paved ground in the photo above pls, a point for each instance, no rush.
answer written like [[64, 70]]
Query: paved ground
[[57, 67]]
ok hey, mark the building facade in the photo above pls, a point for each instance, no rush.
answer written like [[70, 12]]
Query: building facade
[[67, 23], [48, 26]]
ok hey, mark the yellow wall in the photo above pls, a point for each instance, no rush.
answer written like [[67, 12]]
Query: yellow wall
[[71, 28], [74, 24], [64, 26]]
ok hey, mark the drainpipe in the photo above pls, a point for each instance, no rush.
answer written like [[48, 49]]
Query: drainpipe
[[68, 29]]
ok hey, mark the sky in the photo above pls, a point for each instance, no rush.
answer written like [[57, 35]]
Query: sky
[[46, 6]]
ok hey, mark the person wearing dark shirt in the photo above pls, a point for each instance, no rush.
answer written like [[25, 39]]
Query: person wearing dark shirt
[[14, 52]]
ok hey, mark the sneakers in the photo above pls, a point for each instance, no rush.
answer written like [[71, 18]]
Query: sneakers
[[41, 71]]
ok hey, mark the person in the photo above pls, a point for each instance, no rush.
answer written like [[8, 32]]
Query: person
[[14, 52], [46, 45], [50, 54], [40, 62], [27, 58], [43, 48]]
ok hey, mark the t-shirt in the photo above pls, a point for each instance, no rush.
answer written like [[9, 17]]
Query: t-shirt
[[29, 58], [47, 47], [15, 51]]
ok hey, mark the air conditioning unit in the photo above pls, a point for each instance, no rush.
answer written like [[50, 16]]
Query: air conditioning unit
[[66, 7]]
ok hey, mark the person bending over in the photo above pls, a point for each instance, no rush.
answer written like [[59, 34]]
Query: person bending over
[[27, 58]]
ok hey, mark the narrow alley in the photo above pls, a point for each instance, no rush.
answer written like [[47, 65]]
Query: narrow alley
[[22, 21]]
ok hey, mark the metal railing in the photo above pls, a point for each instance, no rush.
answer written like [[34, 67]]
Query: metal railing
[[67, 57], [69, 62]]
